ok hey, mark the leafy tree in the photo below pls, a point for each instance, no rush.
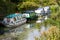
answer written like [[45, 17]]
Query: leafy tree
[[28, 6], [58, 2], [6, 7]]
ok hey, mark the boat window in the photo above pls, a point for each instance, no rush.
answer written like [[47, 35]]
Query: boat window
[[8, 20], [14, 19], [11, 21], [18, 17]]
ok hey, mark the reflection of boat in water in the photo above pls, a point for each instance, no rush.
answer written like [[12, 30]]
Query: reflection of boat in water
[[14, 20], [42, 19]]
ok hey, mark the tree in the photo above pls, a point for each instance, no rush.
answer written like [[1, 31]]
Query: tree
[[58, 2], [6, 7], [28, 6]]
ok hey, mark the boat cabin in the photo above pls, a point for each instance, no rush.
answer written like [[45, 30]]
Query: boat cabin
[[43, 11], [39, 11], [47, 9], [29, 14], [14, 20]]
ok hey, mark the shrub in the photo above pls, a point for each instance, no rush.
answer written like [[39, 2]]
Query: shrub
[[53, 33]]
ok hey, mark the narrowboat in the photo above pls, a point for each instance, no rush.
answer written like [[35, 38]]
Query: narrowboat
[[39, 11], [14, 20], [43, 11], [29, 15], [47, 9]]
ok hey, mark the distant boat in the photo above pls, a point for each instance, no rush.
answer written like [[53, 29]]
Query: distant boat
[[29, 15], [47, 9], [14, 20], [39, 11], [43, 11]]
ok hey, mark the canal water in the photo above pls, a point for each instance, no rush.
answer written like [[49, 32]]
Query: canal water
[[36, 33], [26, 32]]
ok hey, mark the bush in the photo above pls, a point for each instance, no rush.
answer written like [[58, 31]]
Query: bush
[[53, 33]]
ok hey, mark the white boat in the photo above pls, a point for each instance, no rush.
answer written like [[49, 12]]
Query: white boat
[[39, 11], [14, 20], [47, 9], [43, 11]]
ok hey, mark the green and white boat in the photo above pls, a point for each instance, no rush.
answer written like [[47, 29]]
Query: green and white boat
[[30, 15], [14, 20]]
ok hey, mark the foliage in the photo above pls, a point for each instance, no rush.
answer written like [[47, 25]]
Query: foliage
[[54, 17], [53, 33], [7, 7], [32, 4], [27, 6], [54, 8], [58, 2]]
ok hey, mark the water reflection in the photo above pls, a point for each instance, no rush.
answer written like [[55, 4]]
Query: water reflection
[[32, 35], [33, 32], [21, 29]]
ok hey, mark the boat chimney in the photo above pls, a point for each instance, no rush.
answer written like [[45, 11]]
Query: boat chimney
[[17, 12]]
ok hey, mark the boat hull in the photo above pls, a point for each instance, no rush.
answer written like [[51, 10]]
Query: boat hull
[[15, 24]]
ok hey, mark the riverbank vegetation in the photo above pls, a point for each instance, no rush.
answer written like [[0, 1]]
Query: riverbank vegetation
[[54, 17], [53, 33], [54, 20]]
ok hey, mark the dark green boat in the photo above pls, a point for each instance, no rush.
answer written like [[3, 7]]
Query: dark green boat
[[30, 15]]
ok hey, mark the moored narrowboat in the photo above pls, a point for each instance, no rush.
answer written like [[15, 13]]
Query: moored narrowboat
[[29, 15], [14, 20]]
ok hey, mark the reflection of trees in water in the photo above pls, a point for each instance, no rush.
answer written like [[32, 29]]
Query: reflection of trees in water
[[30, 25]]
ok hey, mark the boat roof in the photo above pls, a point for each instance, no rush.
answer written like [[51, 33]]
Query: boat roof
[[40, 9], [28, 11], [47, 7], [13, 15]]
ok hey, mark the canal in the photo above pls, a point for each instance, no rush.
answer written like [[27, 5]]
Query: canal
[[27, 31]]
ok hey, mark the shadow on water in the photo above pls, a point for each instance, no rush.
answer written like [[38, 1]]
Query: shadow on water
[[2, 29]]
